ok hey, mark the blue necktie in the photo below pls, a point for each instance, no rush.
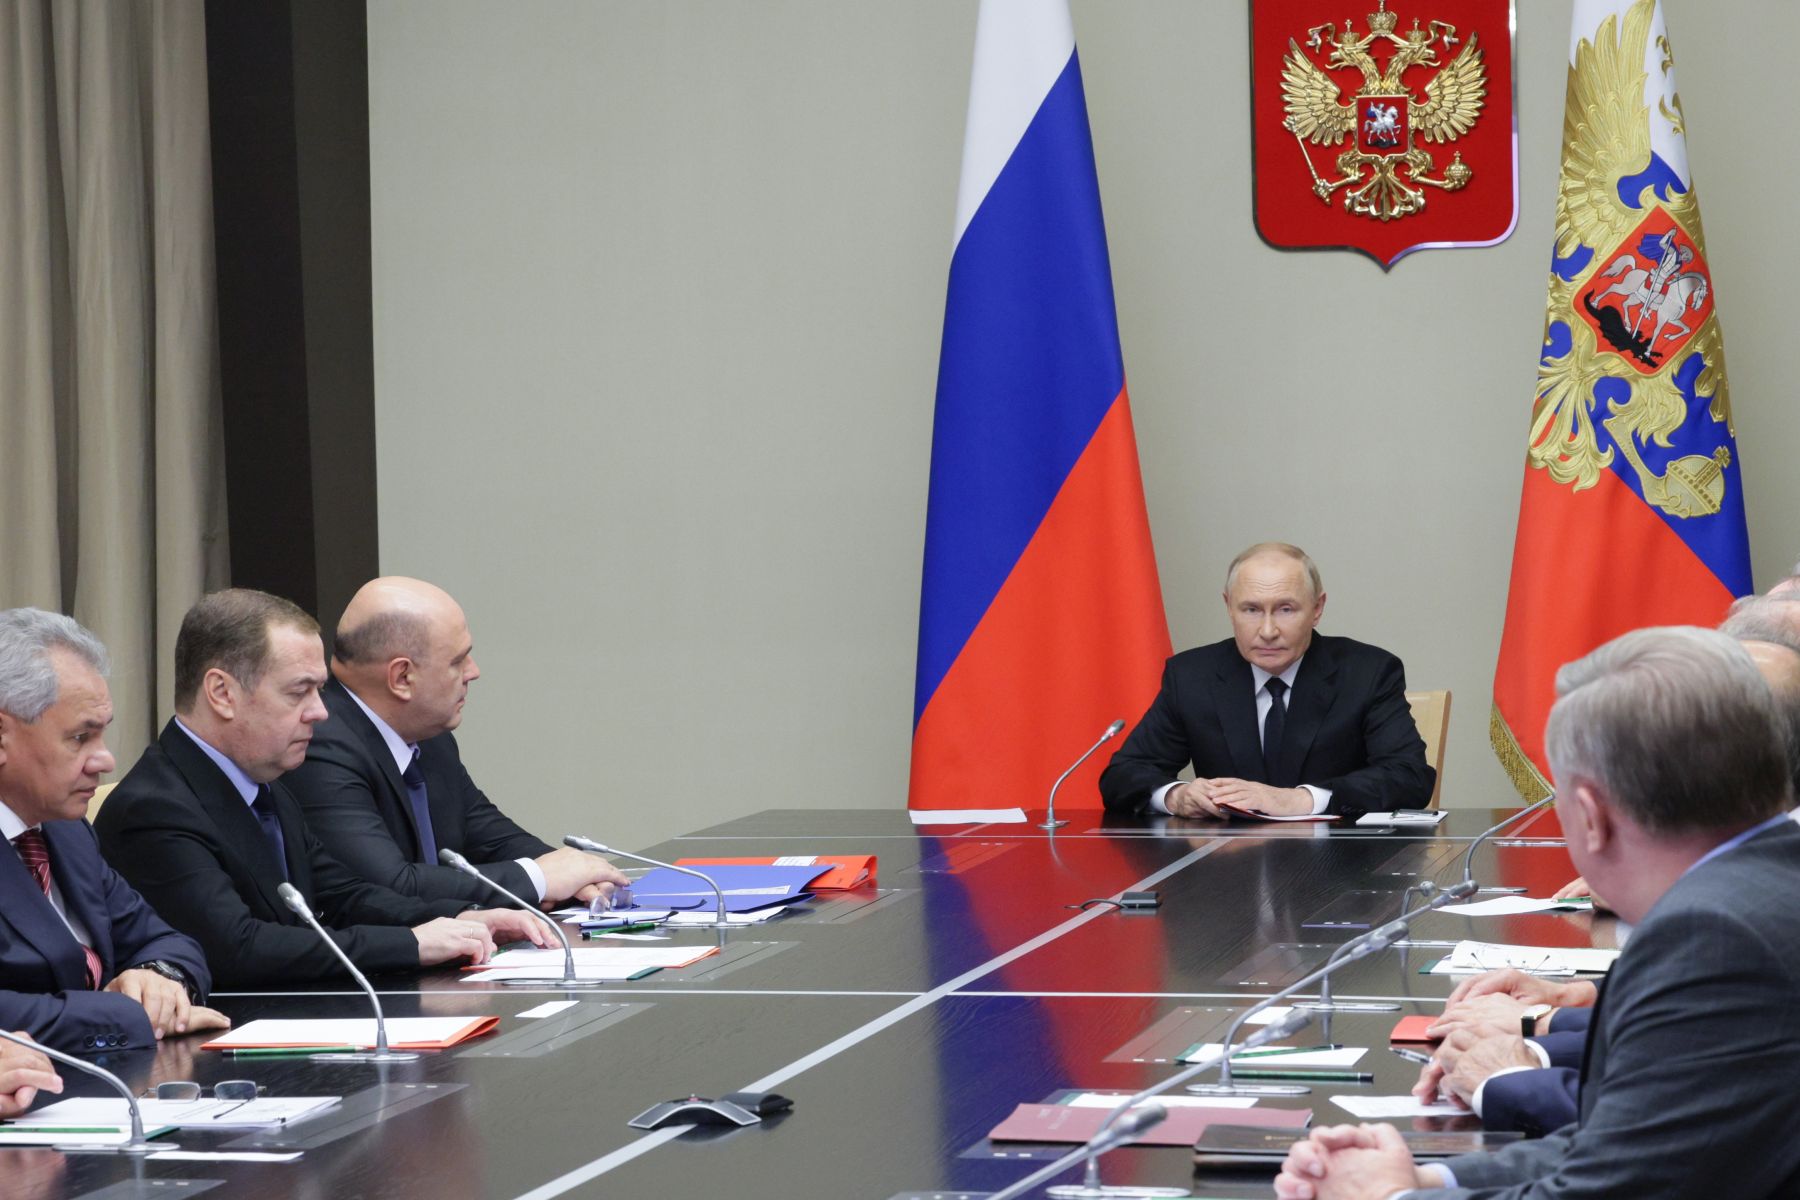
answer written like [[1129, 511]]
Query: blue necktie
[[1272, 727], [421, 809], [264, 808]]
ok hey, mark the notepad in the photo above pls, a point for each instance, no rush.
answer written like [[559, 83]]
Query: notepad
[[265, 1112], [1414, 816], [1388, 1108], [404, 1033], [1282, 1057], [1507, 906], [967, 816], [1072, 1123], [1471, 958]]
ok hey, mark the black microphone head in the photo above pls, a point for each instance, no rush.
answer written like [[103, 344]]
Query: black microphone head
[[290, 896], [1114, 729]]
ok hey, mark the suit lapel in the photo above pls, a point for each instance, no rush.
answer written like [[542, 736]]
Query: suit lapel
[[237, 825], [1234, 699], [350, 712], [80, 896], [28, 911], [1315, 688]]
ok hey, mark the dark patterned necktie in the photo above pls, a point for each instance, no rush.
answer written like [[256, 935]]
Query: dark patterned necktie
[[1273, 724], [264, 808], [421, 809], [36, 852]]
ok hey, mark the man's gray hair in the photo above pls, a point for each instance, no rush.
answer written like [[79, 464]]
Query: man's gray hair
[[1286, 550], [1676, 726], [1773, 619], [28, 682]]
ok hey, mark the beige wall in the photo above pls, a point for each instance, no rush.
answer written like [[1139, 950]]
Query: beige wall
[[658, 290]]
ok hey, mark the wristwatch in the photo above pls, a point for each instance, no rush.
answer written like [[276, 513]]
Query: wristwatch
[[1531, 1017], [169, 970]]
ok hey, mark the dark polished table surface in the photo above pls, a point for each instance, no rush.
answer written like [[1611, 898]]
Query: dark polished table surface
[[904, 1020]]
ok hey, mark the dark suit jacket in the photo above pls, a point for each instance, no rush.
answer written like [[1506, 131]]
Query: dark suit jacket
[[1671, 1104], [42, 968], [1348, 729], [178, 830], [356, 803]]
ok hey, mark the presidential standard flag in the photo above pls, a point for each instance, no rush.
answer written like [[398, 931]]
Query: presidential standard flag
[[1041, 617], [1633, 505]]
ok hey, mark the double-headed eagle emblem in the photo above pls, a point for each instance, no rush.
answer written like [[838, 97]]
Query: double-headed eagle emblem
[[1384, 170]]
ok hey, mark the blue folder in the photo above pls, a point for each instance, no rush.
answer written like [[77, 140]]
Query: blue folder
[[746, 887]]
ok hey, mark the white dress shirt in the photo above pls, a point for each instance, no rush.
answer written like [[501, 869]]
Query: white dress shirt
[[1260, 679]]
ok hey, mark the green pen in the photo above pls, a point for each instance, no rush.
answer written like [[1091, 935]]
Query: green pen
[[1310, 1076], [286, 1051], [635, 927], [30, 1129]]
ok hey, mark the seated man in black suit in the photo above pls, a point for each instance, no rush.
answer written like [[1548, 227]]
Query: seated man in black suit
[[383, 785], [1672, 786], [1279, 719], [204, 827], [85, 964]]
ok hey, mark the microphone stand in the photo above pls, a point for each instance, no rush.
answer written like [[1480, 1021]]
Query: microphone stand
[[290, 896], [137, 1144], [570, 979], [1379, 938], [1112, 731], [1090, 1188], [1436, 899], [1469, 858], [1110, 1137], [593, 847]]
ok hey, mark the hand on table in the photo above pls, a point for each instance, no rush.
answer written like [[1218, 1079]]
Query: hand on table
[[512, 925], [23, 1074], [445, 938], [575, 874], [1465, 1060], [1529, 989], [1493, 1014], [165, 1001], [1349, 1162], [1202, 798]]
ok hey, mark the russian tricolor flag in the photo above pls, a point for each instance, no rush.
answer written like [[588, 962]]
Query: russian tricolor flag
[[1041, 618]]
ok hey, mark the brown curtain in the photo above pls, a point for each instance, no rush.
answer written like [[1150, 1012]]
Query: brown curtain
[[112, 482]]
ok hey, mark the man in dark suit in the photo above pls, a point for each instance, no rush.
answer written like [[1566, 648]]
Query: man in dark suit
[[206, 830], [1673, 789], [85, 963], [383, 785], [1279, 719]]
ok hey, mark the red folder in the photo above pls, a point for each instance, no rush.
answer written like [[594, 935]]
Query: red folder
[[839, 872], [1412, 1030], [1183, 1127]]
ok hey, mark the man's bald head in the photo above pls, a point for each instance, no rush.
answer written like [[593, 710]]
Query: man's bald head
[[1780, 666], [403, 647]]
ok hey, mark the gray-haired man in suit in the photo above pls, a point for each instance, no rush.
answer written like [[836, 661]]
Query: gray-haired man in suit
[[1673, 788]]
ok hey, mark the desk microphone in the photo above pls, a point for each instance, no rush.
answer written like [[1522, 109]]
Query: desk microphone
[[593, 847], [138, 1143], [570, 979], [1112, 731], [1469, 858], [1132, 1117], [1379, 938], [290, 896], [1436, 898]]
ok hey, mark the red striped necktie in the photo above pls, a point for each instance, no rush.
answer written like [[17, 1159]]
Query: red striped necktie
[[36, 853]]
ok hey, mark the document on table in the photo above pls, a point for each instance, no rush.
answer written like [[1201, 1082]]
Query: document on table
[[13, 1134], [1111, 1100], [1506, 906], [1471, 958], [968, 816], [1283, 1057], [687, 920], [1388, 1108], [404, 1033], [635, 957], [1414, 816], [743, 888], [265, 1112]]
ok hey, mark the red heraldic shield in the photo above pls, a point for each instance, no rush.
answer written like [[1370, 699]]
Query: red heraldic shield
[[1388, 135]]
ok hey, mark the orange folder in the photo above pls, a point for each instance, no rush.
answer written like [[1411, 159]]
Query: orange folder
[[1412, 1030], [405, 1033], [840, 872]]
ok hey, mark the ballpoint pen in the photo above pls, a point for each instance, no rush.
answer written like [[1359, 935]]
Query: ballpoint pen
[[1309, 1076], [1410, 1055]]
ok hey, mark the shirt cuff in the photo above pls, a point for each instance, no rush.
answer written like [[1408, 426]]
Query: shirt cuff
[[1447, 1180], [1321, 798], [1159, 798], [1481, 1088], [1542, 1055], [534, 873]]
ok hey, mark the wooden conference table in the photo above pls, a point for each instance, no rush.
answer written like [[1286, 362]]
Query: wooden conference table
[[904, 1021]]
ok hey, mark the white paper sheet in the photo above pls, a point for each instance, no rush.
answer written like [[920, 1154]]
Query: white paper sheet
[[1111, 1100], [1472, 957], [270, 1156], [1269, 1016], [1403, 817], [265, 1112], [24, 1135], [634, 957], [550, 1009], [548, 974], [1346, 1057], [346, 1031], [690, 920], [968, 816], [1505, 906], [1387, 1108]]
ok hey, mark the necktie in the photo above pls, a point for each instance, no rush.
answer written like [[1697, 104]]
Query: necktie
[[421, 809], [264, 808], [1272, 727], [35, 851]]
